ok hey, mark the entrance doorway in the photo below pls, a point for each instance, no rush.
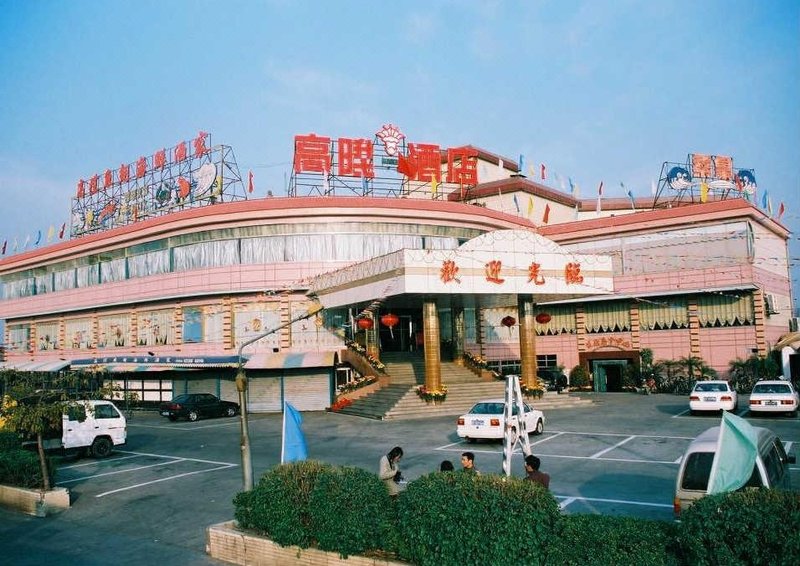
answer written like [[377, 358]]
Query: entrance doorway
[[401, 338], [608, 374]]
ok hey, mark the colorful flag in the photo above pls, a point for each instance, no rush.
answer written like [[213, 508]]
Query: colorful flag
[[521, 164], [530, 206], [546, 215], [703, 191], [600, 189], [516, 204], [769, 206], [781, 210], [571, 186], [764, 198], [250, 182], [293, 448], [735, 457], [15, 246], [633, 200], [544, 172], [38, 238], [532, 170], [51, 232], [5, 243], [61, 232]]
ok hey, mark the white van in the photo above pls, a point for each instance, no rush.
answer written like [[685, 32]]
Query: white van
[[771, 468], [88, 426]]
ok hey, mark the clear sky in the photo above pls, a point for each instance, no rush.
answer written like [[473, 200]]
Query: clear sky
[[597, 90]]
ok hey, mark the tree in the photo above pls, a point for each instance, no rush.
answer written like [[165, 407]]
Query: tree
[[35, 405]]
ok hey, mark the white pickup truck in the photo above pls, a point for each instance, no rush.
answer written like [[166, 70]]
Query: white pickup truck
[[89, 426]]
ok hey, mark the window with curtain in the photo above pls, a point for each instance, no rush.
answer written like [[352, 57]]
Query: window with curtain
[[113, 331], [263, 250], [725, 310], [19, 338], [64, 280], [667, 313], [78, 334], [206, 254], [43, 283], [47, 336], [192, 325], [155, 328], [87, 275], [113, 270], [19, 288], [252, 319], [562, 320], [607, 317], [150, 263]]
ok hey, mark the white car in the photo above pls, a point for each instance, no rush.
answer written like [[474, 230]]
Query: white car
[[713, 396], [776, 396], [487, 420]]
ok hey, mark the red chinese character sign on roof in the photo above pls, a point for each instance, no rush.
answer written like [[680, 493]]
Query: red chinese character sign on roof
[[355, 158], [462, 165], [312, 153]]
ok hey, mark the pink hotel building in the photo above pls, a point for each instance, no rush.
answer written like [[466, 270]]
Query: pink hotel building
[[163, 303]]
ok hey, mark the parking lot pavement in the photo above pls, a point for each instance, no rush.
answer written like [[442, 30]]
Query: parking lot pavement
[[152, 500]]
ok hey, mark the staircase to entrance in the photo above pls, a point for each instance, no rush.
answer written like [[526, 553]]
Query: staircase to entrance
[[406, 370]]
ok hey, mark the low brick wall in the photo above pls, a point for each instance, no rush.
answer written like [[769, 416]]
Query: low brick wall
[[34, 501], [225, 542]]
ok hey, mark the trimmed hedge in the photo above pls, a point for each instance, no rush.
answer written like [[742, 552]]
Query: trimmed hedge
[[9, 440], [21, 468], [754, 526], [458, 518], [600, 539], [340, 509]]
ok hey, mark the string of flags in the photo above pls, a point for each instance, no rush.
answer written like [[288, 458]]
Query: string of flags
[[32, 240]]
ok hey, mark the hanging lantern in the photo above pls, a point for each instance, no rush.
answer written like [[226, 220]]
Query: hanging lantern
[[508, 321], [365, 324], [391, 321], [543, 318]]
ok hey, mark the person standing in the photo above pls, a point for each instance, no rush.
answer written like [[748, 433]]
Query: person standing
[[389, 470], [532, 464], [468, 463]]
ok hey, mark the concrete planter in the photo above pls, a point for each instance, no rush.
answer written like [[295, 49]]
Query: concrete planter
[[227, 543], [34, 501]]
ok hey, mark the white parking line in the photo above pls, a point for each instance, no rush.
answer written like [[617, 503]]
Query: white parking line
[[165, 479], [610, 448], [125, 471], [95, 462], [178, 457]]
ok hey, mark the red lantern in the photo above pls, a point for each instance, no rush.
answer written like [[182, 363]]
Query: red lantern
[[365, 323], [543, 318], [390, 320], [508, 321]]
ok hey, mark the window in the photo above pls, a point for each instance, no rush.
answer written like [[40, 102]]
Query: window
[[697, 471], [106, 411], [76, 413]]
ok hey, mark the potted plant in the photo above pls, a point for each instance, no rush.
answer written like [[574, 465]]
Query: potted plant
[[434, 396]]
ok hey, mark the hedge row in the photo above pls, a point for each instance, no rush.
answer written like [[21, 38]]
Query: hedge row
[[18, 467], [453, 518]]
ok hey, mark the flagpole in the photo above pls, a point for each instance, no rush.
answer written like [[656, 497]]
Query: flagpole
[[283, 431]]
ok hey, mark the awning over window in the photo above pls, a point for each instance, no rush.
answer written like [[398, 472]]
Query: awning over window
[[292, 360], [122, 364], [56, 365]]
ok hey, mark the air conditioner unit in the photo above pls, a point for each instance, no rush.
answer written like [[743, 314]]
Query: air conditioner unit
[[793, 324], [769, 304]]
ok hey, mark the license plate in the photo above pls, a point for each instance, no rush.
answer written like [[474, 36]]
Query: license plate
[[477, 422], [711, 399], [164, 413], [771, 403]]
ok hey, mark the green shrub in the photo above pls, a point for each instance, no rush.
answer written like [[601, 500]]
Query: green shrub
[[458, 518], [278, 506], [753, 527], [9, 440], [578, 377], [352, 511], [21, 468], [600, 539]]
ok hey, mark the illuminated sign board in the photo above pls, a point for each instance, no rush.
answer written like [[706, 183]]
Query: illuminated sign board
[[190, 174], [385, 165]]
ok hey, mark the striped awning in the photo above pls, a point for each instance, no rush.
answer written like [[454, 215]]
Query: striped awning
[[123, 364], [292, 360], [48, 366]]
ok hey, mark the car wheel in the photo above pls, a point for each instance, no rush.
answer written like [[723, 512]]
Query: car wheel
[[230, 411], [539, 427], [102, 447], [192, 416], [172, 418]]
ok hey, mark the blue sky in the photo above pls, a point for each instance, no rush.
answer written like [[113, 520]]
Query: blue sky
[[596, 90]]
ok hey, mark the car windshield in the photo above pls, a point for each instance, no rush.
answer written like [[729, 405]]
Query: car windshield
[[487, 409], [710, 387], [771, 388]]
